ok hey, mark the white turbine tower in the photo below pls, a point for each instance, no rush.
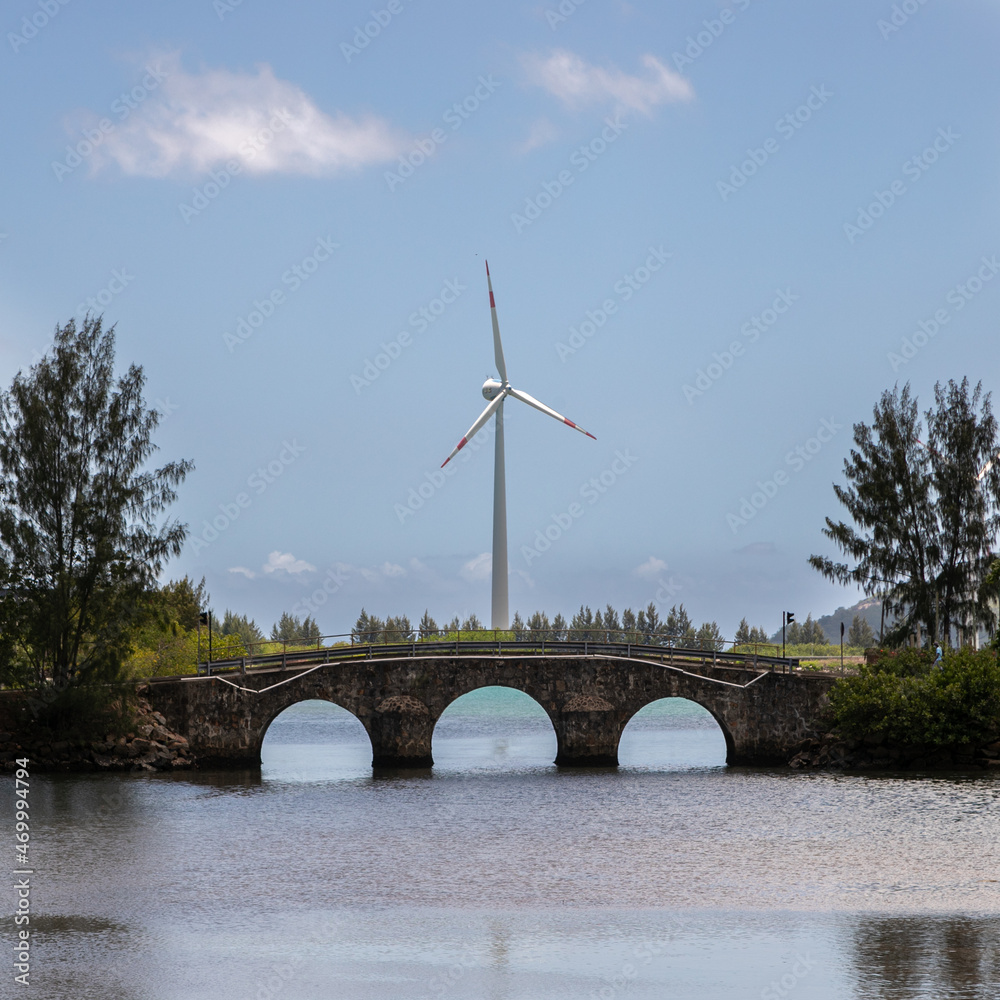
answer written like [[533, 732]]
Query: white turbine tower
[[496, 392]]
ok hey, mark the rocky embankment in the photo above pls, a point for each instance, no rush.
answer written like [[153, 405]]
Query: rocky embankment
[[874, 753], [151, 746]]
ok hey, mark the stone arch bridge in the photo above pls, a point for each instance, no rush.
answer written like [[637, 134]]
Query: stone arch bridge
[[589, 691]]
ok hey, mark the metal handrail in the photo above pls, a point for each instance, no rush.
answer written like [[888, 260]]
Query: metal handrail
[[303, 656], [568, 634]]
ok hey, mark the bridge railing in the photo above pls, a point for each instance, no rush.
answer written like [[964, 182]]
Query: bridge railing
[[351, 646]]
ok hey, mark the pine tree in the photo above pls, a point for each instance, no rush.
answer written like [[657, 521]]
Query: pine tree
[[709, 636], [428, 627], [472, 624], [812, 632], [240, 625], [286, 629], [581, 625], [612, 626], [398, 629], [743, 637], [654, 626], [629, 626], [559, 627], [517, 626], [678, 626], [860, 633], [539, 622]]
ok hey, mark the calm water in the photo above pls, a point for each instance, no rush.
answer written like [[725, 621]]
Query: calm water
[[498, 876]]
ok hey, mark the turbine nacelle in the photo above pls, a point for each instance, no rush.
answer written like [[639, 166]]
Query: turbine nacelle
[[492, 388]]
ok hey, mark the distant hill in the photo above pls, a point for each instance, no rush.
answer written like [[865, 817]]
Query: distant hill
[[870, 609]]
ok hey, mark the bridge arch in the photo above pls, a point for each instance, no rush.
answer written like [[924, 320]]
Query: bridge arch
[[275, 709], [647, 725], [340, 742], [503, 712]]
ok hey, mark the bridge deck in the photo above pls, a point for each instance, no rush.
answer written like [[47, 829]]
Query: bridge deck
[[668, 655]]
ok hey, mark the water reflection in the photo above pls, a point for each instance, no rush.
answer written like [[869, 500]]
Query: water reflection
[[707, 881], [919, 957]]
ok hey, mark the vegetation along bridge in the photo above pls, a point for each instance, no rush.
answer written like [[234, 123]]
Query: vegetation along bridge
[[589, 690]]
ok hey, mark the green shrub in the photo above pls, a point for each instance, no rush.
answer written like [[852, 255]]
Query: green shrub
[[904, 698]]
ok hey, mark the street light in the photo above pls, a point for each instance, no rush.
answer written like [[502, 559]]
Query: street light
[[787, 617]]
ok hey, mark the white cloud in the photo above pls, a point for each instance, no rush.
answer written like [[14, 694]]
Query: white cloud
[[651, 568], [576, 83], [248, 573], [192, 122], [391, 569], [285, 562], [477, 569], [542, 132]]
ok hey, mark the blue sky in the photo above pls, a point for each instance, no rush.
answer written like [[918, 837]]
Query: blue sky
[[717, 232]]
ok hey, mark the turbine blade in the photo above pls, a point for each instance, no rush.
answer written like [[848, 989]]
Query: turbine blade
[[497, 346], [531, 401], [477, 426], [986, 468]]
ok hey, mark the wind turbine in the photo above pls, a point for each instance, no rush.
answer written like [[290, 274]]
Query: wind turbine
[[496, 392]]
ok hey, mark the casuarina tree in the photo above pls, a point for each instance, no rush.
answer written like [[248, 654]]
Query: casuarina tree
[[82, 537], [925, 513]]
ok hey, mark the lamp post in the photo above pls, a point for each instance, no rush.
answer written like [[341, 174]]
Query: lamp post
[[787, 617], [205, 618]]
